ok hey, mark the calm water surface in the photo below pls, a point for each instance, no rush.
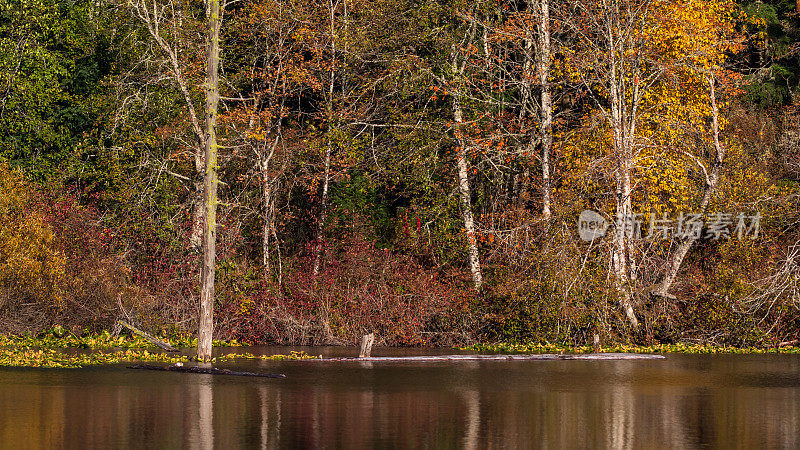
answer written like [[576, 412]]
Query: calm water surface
[[686, 401]]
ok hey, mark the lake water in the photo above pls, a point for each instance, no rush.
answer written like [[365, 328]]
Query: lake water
[[685, 401]]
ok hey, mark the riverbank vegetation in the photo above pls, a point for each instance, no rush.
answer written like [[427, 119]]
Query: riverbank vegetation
[[53, 350], [696, 349], [67, 352], [412, 168]]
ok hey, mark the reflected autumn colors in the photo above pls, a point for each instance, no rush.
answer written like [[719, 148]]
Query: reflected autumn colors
[[686, 401]]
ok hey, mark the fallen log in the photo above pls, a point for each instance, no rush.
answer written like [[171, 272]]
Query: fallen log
[[155, 341], [205, 370], [537, 357]]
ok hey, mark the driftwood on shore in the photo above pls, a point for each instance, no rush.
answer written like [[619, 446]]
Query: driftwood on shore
[[155, 341], [537, 357], [205, 370]]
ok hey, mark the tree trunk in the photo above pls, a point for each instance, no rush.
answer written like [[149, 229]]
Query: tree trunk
[[623, 157], [267, 212], [712, 181], [268, 201], [464, 193], [620, 252], [466, 202], [546, 110], [198, 211], [326, 177], [469, 222], [323, 211], [208, 270]]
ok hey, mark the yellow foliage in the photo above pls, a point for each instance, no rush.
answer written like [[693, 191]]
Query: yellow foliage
[[666, 76], [31, 269], [13, 193]]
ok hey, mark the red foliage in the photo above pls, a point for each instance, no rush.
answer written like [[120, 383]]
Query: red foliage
[[361, 289]]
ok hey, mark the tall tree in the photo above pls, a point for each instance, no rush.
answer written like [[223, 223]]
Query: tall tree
[[336, 9], [546, 109], [610, 34], [459, 61], [643, 64], [214, 13]]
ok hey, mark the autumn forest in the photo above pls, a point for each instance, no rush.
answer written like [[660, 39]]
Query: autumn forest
[[438, 172]]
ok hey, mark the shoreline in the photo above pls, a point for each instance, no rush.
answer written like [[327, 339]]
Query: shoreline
[[51, 351]]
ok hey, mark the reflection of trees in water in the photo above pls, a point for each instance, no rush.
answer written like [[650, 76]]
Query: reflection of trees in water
[[472, 419], [205, 408], [718, 406], [270, 402]]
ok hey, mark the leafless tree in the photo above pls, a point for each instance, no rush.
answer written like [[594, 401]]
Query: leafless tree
[[166, 22]]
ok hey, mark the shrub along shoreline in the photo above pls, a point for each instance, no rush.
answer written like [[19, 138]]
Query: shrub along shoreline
[[51, 351]]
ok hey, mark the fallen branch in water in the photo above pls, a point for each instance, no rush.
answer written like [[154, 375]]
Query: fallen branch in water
[[155, 341], [205, 370]]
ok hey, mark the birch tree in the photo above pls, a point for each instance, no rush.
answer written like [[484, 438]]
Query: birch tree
[[458, 64], [546, 100], [268, 74], [643, 63], [610, 37]]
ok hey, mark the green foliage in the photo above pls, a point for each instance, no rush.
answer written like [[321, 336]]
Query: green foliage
[[51, 60], [774, 28], [357, 196]]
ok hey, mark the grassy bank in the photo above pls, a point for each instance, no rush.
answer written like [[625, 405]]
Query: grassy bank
[[71, 351], [105, 340]]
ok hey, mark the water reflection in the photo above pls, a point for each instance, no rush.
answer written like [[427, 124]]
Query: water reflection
[[684, 402], [205, 420]]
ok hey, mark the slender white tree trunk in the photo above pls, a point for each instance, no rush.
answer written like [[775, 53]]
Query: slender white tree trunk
[[623, 134], [268, 201], [469, 221], [620, 246], [464, 192], [267, 212], [546, 110]]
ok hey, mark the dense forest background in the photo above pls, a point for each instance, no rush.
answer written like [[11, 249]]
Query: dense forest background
[[414, 168]]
